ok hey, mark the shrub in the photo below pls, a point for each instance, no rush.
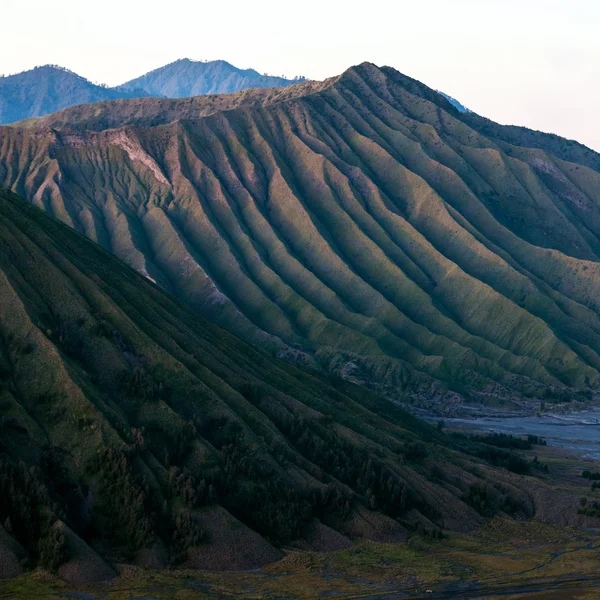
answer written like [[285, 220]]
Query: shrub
[[53, 550]]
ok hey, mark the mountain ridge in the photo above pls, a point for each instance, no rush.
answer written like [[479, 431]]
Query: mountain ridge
[[185, 78], [362, 223], [48, 88], [80, 118], [153, 111]]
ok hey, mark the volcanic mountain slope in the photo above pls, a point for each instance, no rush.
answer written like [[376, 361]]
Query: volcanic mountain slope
[[133, 429], [361, 224], [185, 77], [46, 89]]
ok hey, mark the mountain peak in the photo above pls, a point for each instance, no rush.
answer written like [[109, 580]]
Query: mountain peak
[[49, 88], [379, 132], [43, 70], [185, 78], [363, 67]]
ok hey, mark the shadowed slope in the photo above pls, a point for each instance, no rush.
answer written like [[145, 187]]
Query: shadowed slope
[[47, 89], [362, 222], [131, 424]]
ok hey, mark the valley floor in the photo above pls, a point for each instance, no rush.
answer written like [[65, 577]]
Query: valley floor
[[507, 559]]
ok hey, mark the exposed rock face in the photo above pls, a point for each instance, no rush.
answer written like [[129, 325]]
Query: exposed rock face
[[231, 545]]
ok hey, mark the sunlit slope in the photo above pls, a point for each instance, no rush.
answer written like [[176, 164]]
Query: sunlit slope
[[364, 221], [134, 429]]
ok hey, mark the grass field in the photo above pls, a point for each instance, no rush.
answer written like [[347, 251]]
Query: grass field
[[503, 554]]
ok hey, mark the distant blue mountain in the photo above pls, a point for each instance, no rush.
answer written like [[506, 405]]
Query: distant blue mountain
[[46, 89], [460, 107], [184, 78]]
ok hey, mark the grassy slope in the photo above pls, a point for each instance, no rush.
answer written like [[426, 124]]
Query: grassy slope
[[363, 220], [502, 556], [135, 415]]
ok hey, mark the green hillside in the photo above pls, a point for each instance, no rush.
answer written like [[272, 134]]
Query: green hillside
[[360, 225], [133, 430]]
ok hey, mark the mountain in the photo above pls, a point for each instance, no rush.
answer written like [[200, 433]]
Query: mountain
[[460, 107], [362, 226], [134, 430], [148, 112], [49, 88], [185, 77]]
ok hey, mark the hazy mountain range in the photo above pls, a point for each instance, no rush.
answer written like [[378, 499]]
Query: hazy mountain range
[[211, 307], [47, 89], [361, 225], [186, 77], [50, 88]]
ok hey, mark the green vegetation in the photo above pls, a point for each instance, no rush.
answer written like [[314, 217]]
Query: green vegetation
[[504, 440], [359, 225], [502, 556], [134, 428], [589, 509], [497, 449], [27, 512]]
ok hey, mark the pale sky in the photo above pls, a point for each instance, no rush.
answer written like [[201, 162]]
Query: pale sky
[[524, 62]]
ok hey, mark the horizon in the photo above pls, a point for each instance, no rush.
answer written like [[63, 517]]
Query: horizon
[[286, 76], [533, 65]]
